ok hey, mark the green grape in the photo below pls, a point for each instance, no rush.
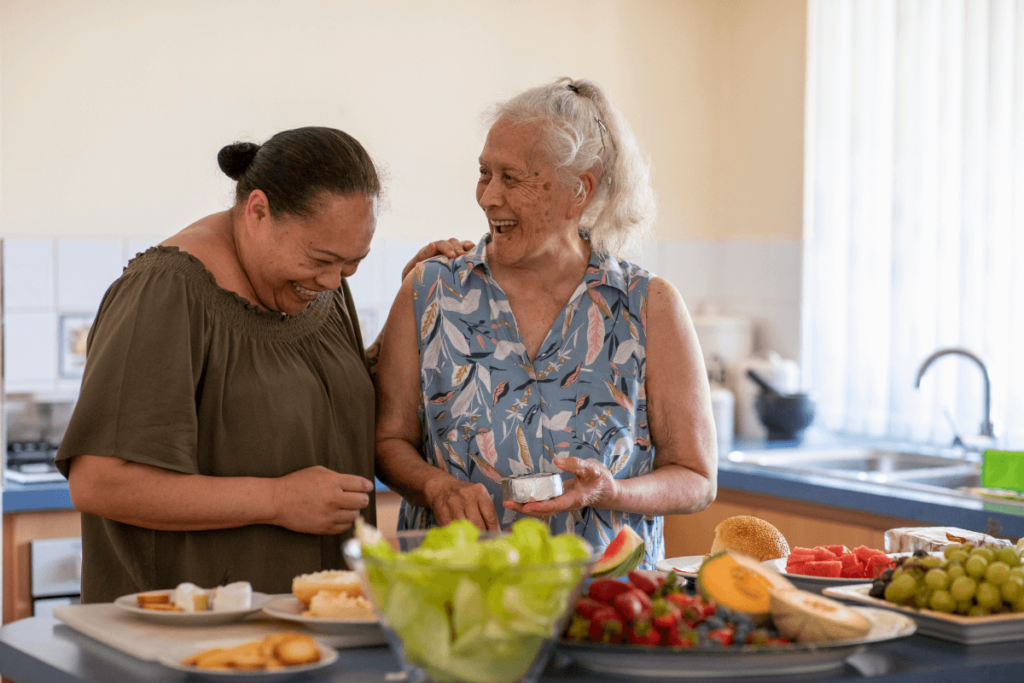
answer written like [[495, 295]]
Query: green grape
[[931, 561], [942, 601], [997, 573], [900, 589], [955, 571], [963, 606], [958, 555], [1018, 606], [985, 552], [976, 566], [937, 579], [1008, 554], [963, 588], [988, 595], [1011, 590], [949, 550], [922, 596], [978, 611]]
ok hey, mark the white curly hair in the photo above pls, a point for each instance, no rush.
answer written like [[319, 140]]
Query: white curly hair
[[587, 132]]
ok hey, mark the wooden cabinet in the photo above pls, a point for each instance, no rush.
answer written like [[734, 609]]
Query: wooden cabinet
[[803, 524], [20, 529]]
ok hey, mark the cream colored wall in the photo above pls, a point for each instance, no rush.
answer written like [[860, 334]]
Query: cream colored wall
[[112, 112]]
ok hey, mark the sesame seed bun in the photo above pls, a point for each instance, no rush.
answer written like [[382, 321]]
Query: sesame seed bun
[[750, 536]]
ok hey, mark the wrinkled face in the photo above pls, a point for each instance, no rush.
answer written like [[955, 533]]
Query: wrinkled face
[[528, 211], [300, 256]]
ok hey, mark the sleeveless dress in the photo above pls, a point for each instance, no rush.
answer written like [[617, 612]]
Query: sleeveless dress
[[488, 412]]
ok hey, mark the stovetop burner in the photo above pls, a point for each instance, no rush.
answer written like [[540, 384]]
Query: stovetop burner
[[31, 462]]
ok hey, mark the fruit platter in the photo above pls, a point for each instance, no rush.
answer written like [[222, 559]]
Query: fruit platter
[[968, 593], [739, 620]]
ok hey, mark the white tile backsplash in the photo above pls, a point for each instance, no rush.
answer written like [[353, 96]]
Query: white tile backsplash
[[28, 274], [759, 279], [30, 351], [85, 269]]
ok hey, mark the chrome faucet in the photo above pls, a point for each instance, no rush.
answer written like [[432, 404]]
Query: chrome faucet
[[986, 425]]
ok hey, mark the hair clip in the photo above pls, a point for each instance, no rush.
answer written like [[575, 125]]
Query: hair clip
[[600, 125], [573, 88]]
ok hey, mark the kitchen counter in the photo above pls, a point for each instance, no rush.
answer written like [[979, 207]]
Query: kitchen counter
[[43, 650], [1001, 517]]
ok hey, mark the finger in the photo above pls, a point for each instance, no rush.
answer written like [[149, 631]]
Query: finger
[[449, 248], [467, 245], [353, 501], [490, 515], [472, 513], [352, 482]]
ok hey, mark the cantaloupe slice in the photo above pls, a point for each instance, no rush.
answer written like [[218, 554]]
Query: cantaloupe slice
[[740, 583], [808, 617]]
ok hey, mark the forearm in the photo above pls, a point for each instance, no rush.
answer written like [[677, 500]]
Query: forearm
[[403, 470], [667, 490], [156, 498]]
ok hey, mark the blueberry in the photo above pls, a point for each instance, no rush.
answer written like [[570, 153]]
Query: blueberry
[[715, 622], [723, 612]]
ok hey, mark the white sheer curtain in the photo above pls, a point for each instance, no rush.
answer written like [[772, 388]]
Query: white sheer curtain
[[914, 215]]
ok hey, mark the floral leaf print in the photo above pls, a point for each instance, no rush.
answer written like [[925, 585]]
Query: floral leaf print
[[571, 377], [480, 340], [644, 444], [465, 400], [632, 328], [517, 468], [600, 530], [428, 319], [578, 517], [467, 304], [524, 448], [453, 292], [616, 524], [627, 349], [485, 467], [485, 442], [620, 398], [643, 312], [454, 336], [504, 348], [454, 456], [441, 399], [570, 527], [595, 335], [500, 391], [556, 424], [485, 377], [417, 272], [568, 319], [459, 374], [529, 370], [582, 402], [442, 464], [442, 415], [599, 301], [432, 353]]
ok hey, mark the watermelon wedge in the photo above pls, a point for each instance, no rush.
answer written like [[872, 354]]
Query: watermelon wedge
[[623, 554]]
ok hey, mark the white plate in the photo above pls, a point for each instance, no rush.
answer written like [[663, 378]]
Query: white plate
[[289, 608], [748, 661], [684, 566], [995, 628], [129, 603], [328, 656]]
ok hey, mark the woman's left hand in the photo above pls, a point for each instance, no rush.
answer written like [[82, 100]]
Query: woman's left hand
[[593, 486], [450, 247]]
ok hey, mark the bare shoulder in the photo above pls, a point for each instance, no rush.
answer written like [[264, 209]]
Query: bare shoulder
[[666, 311]]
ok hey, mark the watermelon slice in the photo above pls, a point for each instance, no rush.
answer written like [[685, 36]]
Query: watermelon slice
[[822, 554], [863, 553], [830, 569], [801, 551], [623, 554], [797, 568], [837, 550], [853, 571], [849, 559]]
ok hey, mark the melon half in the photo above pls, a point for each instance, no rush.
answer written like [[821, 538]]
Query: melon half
[[623, 554], [740, 583], [810, 618]]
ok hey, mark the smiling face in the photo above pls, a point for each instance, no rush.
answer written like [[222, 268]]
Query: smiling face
[[530, 213], [291, 259]]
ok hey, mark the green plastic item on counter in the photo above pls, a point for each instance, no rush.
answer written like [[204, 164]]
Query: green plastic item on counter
[[1002, 470]]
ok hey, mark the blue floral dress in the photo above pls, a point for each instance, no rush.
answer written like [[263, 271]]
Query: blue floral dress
[[488, 412]]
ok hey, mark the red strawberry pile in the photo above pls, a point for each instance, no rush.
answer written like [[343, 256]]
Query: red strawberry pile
[[659, 611], [838, 562]]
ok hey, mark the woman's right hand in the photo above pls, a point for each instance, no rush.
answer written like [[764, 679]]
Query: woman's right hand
[[452, 499], [316, 500]]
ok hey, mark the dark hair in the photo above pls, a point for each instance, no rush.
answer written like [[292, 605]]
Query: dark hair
[[295, 165]]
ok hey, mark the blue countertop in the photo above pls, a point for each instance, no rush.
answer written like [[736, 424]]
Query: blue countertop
[[930, 508]]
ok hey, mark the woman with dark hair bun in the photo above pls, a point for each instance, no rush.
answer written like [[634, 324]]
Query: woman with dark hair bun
[[225, 422]]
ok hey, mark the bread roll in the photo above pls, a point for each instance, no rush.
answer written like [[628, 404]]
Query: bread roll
[[305, 586], [750, 536]]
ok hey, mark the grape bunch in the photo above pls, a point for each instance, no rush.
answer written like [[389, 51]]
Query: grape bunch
[[968, 579]]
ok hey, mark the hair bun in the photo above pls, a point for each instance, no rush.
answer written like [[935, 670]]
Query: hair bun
[[233, 159]]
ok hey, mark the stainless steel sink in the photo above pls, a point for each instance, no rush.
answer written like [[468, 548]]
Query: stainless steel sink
[[895, 467]]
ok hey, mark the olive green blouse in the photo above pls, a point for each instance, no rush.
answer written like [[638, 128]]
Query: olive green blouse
[[185, 375]]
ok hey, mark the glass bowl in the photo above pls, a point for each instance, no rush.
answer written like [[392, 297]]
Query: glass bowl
[[484, 620]]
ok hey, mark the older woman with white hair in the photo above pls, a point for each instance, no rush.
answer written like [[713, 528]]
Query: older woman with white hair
[[541, 350]]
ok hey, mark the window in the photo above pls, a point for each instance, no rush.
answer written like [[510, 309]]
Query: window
[[914, 215]]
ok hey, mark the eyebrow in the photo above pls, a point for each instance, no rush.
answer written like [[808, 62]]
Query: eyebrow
[[336, 257]]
